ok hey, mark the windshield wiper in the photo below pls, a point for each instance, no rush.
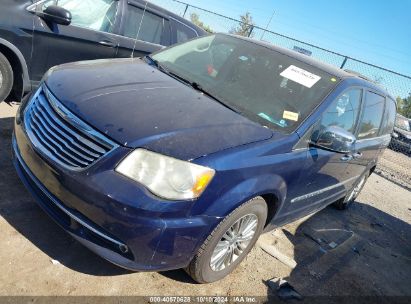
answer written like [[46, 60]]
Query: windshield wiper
[[199, 88], [157, 64], [193, 84]]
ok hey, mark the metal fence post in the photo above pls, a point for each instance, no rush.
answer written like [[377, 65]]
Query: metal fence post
[[251, 30], [344, 62], [185, 11]]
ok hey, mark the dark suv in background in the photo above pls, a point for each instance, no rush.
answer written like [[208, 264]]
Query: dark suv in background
[[401, 137], [35, 36]]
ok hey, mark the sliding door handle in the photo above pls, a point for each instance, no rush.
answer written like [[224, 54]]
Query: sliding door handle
[[108, 43], [357, 155], [347, 157]]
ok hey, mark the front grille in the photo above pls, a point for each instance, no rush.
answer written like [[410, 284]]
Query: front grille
[[58, 134]]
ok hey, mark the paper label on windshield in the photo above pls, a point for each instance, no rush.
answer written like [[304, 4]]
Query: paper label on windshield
[[290, 115], [300, 76]]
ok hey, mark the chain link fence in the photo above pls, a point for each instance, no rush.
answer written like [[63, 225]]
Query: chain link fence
[[396, 161]]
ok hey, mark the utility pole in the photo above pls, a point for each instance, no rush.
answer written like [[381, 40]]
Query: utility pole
[[268, 24]]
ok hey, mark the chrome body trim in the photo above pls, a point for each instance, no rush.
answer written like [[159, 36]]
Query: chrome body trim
[[61, 136], [76, 122], [318, 192]]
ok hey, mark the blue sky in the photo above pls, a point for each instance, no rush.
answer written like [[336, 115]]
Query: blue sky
[[375, 31]]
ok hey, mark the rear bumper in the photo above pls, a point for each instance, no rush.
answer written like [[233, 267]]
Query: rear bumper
[[130, 236]]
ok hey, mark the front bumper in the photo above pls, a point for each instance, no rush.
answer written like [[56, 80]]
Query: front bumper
[[117, 219]]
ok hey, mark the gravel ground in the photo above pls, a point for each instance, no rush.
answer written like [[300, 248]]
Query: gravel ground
[[365, 250], [396, 166]]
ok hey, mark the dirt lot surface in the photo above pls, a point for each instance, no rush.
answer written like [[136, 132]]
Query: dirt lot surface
[[396, 166], [365, 250]]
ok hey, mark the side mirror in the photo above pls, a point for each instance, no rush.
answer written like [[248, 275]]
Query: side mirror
[[56, 14], [336, 139]]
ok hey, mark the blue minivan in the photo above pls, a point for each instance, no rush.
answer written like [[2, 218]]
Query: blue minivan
[[183, 158]]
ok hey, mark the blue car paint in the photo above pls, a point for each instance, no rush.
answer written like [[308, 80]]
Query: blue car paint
[[162, 234], [163, 114]]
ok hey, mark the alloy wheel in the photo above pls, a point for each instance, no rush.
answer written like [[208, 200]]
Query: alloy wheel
[[233, 242]]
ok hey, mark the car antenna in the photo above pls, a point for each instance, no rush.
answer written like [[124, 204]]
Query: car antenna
[[138, 31]]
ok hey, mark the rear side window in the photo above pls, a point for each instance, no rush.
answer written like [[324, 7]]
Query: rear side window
[[344, 111], [389, 117], [372, 115], [184, 32], [152, 26]]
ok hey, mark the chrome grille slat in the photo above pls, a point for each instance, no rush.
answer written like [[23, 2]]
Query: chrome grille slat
[[87, 143], [68, 137], [65, 144], [50, 148], [56, 142], [73, 145], [59, 150]]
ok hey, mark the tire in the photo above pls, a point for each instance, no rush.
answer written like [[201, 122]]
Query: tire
[[346, 201], [6, 77], [201, 268]]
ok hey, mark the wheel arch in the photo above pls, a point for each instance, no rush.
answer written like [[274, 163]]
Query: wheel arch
[[273, 205], [21, 83], [272, 188]]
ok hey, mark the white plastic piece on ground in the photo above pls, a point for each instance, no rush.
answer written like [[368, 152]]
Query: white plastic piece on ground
[[273, 251]]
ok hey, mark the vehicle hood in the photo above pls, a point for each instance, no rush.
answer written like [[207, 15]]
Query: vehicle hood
[[137, 105]]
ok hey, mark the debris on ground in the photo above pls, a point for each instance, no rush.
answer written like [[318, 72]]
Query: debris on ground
[[315, 274], [328, 239], [274, 252], [284, 290], [55, 262], [333, 245]]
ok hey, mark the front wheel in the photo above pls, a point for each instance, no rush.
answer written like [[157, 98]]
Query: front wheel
[[229, 243], [6, 77], [345, 202]]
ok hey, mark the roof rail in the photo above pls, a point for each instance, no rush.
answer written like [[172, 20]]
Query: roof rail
[[361, 76]]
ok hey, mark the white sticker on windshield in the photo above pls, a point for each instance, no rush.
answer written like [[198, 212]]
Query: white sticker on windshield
[[300, 76]]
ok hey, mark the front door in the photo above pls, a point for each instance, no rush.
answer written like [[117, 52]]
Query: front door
[[326, 174], [369, 137], [89, 36]]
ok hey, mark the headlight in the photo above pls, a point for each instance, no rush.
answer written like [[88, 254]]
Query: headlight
[[165, 176]]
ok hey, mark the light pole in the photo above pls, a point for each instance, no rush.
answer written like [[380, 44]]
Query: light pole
[[268, 24]]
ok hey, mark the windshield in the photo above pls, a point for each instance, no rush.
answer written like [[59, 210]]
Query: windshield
[[402, 123], [263, 85]]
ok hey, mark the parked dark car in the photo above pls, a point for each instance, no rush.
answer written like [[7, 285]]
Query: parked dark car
[[182, 158], [401, 136], [37, 36]]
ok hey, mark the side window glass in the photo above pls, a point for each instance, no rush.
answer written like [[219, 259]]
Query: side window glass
[[371, 119], [343, 112], [389, 117], [97, 15], [184, 33], [152, 26]]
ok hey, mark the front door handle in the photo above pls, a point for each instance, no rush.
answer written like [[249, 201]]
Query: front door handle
[[108, 43], [347, 157]]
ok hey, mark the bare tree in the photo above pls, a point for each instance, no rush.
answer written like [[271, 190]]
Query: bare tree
[[195, 18], [245, 27]]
